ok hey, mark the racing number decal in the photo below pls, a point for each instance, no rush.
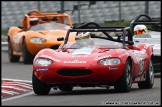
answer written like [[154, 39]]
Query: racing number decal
[[141, 65], [140, 60]]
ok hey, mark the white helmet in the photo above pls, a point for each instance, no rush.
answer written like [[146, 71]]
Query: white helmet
[[140, 29], [82, 35]]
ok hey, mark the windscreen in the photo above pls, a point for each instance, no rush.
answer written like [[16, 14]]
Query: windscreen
[[95, 42], [50, 26]]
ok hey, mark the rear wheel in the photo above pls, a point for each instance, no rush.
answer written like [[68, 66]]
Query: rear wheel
[[148, 83], [65, 87], [27, 57], [12, 58], [125, 82], [39, 87]]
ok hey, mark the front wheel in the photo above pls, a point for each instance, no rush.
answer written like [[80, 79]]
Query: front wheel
[[125, 82], [12, 58], [26, 56], [148, 83], [39, 87]]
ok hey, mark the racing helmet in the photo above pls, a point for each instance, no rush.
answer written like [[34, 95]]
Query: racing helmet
[[33, 21], [82, 35], [140, 29]]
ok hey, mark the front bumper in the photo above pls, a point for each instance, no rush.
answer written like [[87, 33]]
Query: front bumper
[[67, 74]]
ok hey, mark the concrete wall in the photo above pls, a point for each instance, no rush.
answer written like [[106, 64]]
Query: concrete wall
[[12, 11]]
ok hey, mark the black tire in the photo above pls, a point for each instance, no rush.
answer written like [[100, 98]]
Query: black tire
[[65, 87], [26, 56], [39, 87], [12, 58], [148, 83], [125, 82]]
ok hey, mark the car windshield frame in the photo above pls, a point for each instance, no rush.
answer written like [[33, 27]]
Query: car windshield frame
[[50, 26], [125, 31], [146, 20], [94, 43]]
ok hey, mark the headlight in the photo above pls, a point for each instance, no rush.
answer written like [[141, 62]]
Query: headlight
[[37, 40], [43, 62], [109, 61]]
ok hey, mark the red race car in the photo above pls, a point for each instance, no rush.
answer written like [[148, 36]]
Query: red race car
[[100, 56]]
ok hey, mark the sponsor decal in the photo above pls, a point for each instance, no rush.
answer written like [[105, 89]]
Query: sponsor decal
[[42, 69], [87, 51], [113, 68], [140, 60], [46, 56], [102, 57], [75, 61], [141, 64]]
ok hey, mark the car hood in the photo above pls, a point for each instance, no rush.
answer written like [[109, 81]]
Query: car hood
[[53, 33], [82, 54]]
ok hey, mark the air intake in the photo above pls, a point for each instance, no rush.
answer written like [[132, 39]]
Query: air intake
[[74, 72]]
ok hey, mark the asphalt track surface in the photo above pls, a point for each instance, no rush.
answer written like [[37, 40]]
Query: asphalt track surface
[[79, 96]]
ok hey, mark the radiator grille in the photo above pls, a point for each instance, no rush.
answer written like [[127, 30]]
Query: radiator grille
[[74, 72]]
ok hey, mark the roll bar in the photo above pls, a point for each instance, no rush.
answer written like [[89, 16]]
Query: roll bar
[[94, 27], [156, 24]]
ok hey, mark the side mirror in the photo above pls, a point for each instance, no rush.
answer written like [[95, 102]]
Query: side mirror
[[60, 39]]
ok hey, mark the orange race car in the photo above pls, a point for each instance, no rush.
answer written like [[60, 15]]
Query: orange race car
[[38, 31]]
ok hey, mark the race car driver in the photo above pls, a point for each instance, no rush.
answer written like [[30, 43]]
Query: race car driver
[[140, 31], [84, 39]]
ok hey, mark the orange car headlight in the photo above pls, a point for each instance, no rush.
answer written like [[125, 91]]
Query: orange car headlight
[[37, 40]]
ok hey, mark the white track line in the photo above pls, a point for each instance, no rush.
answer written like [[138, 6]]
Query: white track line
[[25, 86], [18, 96], [9, 92], [16, 88], [17, 80], [18, 85]]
